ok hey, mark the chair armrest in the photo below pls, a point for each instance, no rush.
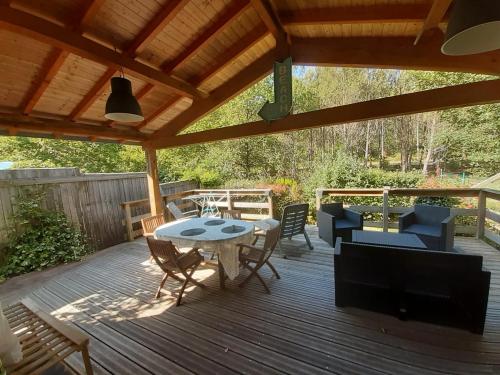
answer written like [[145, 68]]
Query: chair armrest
[[406, 219], [324, 217], [338, 243], [448, 231], [251, 247], [353, 216]]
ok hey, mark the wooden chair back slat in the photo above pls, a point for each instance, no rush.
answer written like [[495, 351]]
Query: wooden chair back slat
[[163, 252], [149, 224]]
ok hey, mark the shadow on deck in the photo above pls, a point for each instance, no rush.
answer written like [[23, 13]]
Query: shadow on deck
[[296, 329]]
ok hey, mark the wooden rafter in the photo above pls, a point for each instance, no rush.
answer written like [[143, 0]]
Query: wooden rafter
[[232, 54], [17, 124], [394, 13], [226, 58], [148, 33], [200, 107], [57, 58], [436, 14], [158, 111], [476, 93], [166, 14], [48, 32], [268, 15], [48, 72], [389, 53], [207, 35]]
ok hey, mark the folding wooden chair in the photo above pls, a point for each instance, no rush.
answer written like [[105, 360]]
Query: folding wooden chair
[[231, 214], [178, 214], [257, 256], [171, 260], [149, 224]]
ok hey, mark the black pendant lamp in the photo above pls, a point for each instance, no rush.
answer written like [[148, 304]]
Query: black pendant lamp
[[473, 27], [122, 106]]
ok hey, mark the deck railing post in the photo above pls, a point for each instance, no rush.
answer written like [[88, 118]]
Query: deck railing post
[[229, 202], [385, 208], [319, 195], [128, 222], [270, 203], [481, 214]]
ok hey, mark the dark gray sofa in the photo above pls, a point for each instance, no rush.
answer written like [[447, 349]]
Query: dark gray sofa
[[335, 221], [434, 225], [432, 286]]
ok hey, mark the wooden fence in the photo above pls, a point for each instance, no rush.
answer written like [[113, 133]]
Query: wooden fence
[[482, 213], [91, 201], [258, 204]]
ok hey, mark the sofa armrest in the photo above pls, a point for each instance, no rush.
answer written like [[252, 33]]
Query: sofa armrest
[[353, 216], [406, 220], [338, 243], [448, 232], [324, 218]]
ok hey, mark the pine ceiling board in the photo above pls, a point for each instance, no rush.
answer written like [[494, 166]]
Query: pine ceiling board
[[120, 21], [73, 80], [96, 110], [259, 49], [293, 4], [19, 67], [60, 11], [169, 114], [192, 20], [208, 56], [156, 99]]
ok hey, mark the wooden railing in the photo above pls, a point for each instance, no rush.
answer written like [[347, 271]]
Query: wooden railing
[[482, 213], [260, 207]]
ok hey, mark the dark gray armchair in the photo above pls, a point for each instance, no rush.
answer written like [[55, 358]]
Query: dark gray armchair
[[335, 221], [434, 225]]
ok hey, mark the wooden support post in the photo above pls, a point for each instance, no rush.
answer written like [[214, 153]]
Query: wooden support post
[[385, 208], [229, 202], [155, 199], [270, 203], [319, 195], [128, 222], [481, 214]]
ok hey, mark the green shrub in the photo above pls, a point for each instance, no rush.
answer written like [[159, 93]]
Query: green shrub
[[209, 179], [40, 238]]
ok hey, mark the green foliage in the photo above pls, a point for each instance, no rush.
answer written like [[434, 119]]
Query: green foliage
[[40, 238], [206, 178], [438, 201]]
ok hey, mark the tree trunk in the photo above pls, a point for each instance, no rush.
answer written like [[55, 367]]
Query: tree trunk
[[425, 168]]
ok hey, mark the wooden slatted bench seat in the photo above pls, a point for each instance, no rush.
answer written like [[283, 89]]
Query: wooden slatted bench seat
[[45, 341]]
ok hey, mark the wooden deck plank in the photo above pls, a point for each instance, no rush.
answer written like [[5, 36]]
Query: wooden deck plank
[[296, 329]]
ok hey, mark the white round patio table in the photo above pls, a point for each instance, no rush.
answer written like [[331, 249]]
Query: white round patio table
[[220, 236]]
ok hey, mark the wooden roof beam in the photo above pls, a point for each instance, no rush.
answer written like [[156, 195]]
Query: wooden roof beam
[[223, 60], [208, 35], [158, 111], [148, 33], [200, 107], [436, 14], [166, 14], [395, 13], [18, 124], [48, 32], [57, 58], [270, 17], [389, 53], [476, 93]]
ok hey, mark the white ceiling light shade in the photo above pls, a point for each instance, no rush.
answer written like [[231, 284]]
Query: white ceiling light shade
[[473, 27]]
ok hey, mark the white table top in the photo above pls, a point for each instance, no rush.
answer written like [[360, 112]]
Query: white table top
[[212, 239]]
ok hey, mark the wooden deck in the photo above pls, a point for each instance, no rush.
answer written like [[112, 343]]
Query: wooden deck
[[296, 330]]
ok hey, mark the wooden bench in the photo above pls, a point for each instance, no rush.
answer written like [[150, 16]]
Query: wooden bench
[[45, 341]]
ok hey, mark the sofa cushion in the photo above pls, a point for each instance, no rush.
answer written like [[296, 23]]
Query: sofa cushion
[[344, 224], [427, 230]]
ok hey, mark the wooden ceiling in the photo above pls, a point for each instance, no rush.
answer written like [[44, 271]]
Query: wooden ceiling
[[187, 57]]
